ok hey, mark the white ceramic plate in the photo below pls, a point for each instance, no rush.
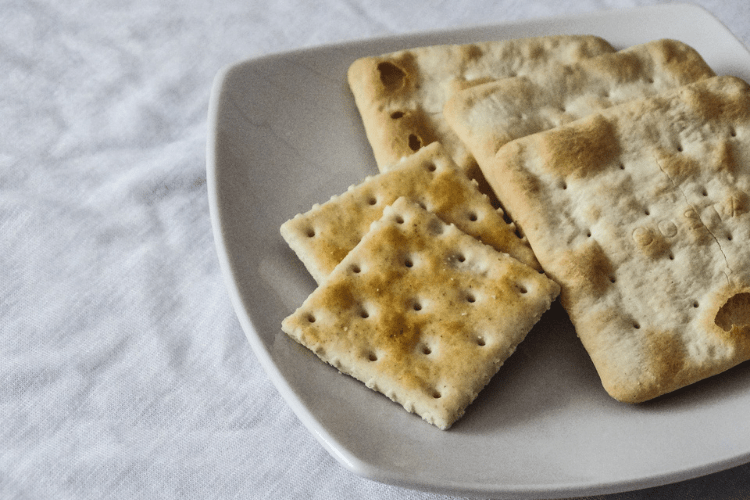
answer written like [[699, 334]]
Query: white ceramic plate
[[284, 134]]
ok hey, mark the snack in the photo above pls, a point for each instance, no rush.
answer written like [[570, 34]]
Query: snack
[[324, 235], [641, 213], [490, 115], [400, 96], [422, 312]]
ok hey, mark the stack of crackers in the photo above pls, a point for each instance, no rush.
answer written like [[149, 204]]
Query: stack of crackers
[[517, 171]]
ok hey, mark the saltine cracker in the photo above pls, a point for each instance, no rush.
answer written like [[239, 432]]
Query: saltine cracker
[[487, 116], [322, 236], [422, 312], [400, 95], [641, 213]]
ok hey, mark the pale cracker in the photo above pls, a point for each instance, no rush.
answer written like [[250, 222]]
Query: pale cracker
[[490, 115], [323, 236], [641, 212], [422, 312], [400, 96]]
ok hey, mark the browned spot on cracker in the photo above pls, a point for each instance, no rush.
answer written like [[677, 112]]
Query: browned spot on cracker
[[651, 242], [582, 149], [666, 355], [728, 106], [734, 205], [677, 165], [681, 60], [444, 193], [331, 252], [723, 159], [471, 51], [586, 271], [627, 68], [510, 158]]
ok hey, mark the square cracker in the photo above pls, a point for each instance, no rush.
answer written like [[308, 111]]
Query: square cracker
[[492, 114], [641, 213], [323, 236], [400, 96], [422, 312]]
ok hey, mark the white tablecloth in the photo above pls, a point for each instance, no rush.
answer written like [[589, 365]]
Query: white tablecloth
[[124, 372]]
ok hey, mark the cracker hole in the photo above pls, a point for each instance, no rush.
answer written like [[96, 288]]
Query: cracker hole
[[679, 148], [733, 133], [704, 192], [636, 325], [372, 356], [647, 212], [431, 167], [397, 114], [729, 237], [364, 314], [417, 306], [356, 269], [415, 143], [399, 219], [473, 217], [671, 256], [310, 233], [612, 279], [426, 350], [408, 262], [588, 234], [734, 312], [695, 304], [481, 342], [522, 289], [470, 298], [622, 166], [372, 200], [310, 318], [436, 394], [564, 185], [461, 258], [650, 80], [391, 75]]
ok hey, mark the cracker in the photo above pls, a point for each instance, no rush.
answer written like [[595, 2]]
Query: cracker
[[641, 213], [422, 312], [400, 96], [487, 116], [324, 235]]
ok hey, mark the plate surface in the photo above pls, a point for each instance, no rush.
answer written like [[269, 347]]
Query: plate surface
[[284, 134]]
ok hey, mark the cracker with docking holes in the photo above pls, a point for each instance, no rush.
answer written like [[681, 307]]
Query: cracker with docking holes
[[641, 213], [324, 235], [422, 312], [487, 116], [400, 96]]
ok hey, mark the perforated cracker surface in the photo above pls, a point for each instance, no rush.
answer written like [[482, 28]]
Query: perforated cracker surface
[[487, 116], [324, 235], [641, 213], [422, 312], [400, 96]]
